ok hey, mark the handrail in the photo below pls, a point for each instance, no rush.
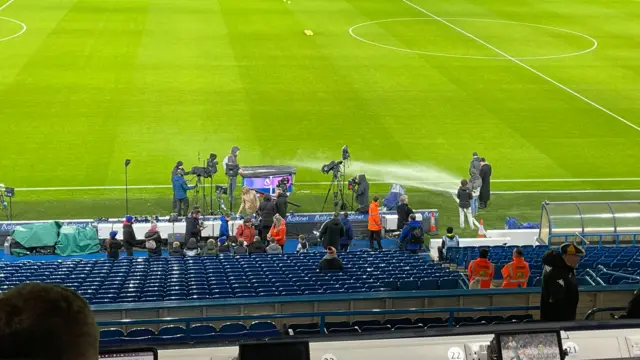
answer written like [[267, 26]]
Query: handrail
[[596, 277], [601, 268], [582, 238], [320, 314], [593, 311], [342, 297]]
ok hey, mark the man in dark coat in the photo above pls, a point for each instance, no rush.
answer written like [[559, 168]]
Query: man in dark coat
[[560, 295], [362, 194], [256, 247], [330, 262], [331, 232], [282, 202], [403, 210], [485, 190], [345, 241], [128, 235], [193, 226], [266, 211]]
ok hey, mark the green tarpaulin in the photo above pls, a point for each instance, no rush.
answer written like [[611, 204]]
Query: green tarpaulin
[[34, 236], [77, 241]]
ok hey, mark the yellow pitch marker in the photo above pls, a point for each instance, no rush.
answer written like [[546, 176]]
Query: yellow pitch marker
[[308, 32]]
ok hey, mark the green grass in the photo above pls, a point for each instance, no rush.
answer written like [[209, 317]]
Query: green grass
[[91, 83]]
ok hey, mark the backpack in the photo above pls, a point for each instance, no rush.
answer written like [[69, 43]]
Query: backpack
[[150, 244], [417, 235]]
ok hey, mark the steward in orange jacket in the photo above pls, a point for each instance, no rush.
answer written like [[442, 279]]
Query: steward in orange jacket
[[481, 269], [278, 230], [516, 273], [375, 224]]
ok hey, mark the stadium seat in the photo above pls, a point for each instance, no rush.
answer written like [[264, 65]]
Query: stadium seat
[[397, 322], [111, 336], [232, 330], [202, 332], [343, 330], [263, 329]]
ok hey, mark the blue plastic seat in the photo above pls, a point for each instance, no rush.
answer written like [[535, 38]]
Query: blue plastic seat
[[172, 333], [263, 329], [232, 330], [448, 284], [202, 332], [408, 285], [140, 334]]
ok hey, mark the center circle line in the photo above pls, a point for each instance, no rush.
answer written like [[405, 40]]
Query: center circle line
[[594, 41], [24, 28]]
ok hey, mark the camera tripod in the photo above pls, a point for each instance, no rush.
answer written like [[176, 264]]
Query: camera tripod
[[337, 187]]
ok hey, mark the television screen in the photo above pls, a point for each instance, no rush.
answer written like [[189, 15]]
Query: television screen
[[290, 350], [531, 346]]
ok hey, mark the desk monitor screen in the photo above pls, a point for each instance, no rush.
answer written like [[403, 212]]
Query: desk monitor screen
[[281, 350], [132, 354], [531, 346]]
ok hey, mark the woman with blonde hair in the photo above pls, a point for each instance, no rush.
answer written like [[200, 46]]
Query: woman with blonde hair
[[278, 230], [250, 201]]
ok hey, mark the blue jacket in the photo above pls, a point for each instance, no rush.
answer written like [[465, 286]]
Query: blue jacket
[[224, 227], [348, 232], [405, 236], [180, 187]]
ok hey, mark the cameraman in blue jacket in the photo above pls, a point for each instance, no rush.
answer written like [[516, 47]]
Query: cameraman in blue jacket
[[180, 188]]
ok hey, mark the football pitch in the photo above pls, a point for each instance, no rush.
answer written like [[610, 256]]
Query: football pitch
[[546, 90]]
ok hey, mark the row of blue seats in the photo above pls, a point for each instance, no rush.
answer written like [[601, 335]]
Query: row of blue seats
[[173, 333]]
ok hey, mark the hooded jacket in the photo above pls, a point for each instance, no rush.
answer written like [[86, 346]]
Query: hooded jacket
[[256, 247], [274, 249], [113, 246], [560, 294], [211, 249], [375, 224], [180, 187], [465, 197], [403, 211], [348, 232], [474, 165], [267, 210], [282, 204], [192, 248], [176, 252], [408, 236], [154, 235], [362, 194], [224, 227], [128, 235], [331, 233], [330, 263], [475, 182], [192, 228], [241, 250]]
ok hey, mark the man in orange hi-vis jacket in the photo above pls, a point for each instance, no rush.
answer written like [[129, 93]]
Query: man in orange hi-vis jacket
[[516, 273], [375, 224], [481, 269]]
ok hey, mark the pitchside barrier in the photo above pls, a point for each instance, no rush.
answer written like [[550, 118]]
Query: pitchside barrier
[[296, 224]]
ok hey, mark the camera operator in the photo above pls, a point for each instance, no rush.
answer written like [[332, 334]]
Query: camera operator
[[362, 193], [231, 168], [282, 202], [180, 188]]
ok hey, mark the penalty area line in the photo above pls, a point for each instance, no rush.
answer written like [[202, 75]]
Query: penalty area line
[[563, 87]]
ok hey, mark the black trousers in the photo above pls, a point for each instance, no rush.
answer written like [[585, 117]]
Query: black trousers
[[181, 206], [263, 231], [231, 190], [440, 253], [375, 234]]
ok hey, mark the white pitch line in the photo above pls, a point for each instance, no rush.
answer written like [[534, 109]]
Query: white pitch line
[[522, 64], [567, 191], [7, 4]]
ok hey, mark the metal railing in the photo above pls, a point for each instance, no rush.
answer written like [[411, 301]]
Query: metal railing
[[322, 315], [594, 311], [635, 238]]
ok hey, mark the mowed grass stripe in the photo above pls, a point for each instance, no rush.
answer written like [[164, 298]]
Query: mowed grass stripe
[[66, 100], [189, 99]]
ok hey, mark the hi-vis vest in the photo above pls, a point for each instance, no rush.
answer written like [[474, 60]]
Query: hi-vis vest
[[450, 242], [515, 274], [481, 271]]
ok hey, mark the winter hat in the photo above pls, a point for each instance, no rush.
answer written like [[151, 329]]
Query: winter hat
[[179, 163], [222, 240], [234, 150], [450, 230], [483, 160], [113, 234], [475, 154], [128, 219], [571, 249]]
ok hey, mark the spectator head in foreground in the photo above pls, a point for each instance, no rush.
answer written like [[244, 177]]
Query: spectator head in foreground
[[518, 253], [404, 199], [571, 253], [176, 245], [46, 322], [257, 239], [412, 217], [484, 253], [450, 230], [113, 234]]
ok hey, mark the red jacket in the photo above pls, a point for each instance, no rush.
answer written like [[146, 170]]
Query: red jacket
[[246, 234], [280, 234], [374, 217]]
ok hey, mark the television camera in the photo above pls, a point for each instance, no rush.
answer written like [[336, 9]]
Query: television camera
[[207, 171], [283, 184]]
